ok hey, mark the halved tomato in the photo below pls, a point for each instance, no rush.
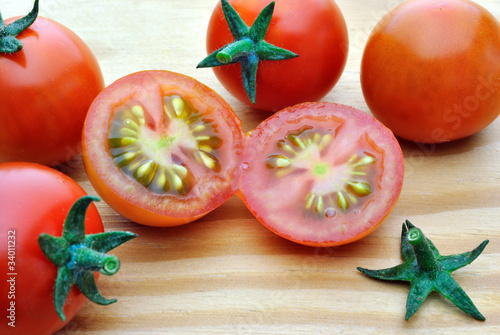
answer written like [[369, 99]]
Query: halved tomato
[[321, 174], [161, 148]]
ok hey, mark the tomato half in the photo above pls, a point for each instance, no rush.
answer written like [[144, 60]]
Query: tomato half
[[34, 199], [45, 92], [321, 174], [161, 148], [308, 77], [431, 70]]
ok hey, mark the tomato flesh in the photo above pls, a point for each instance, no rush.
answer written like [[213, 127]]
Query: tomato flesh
[[321, 174], [162, 148]]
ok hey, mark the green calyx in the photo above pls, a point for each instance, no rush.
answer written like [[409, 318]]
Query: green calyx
[[8, 41], [77, 256], [428, 271], [248, 48]]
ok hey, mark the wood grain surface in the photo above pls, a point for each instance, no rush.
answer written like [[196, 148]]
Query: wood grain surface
[[226, 273]]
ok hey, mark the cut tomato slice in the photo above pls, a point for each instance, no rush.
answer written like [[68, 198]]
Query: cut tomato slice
[[321, 174], [161, 148]]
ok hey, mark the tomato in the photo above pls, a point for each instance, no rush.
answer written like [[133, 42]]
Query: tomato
[[431, 70], [321, 174], [161, 148], [34, 199], [45, 92], [282, 83]]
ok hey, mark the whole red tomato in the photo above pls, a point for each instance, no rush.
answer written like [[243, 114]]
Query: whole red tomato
[[51, 246], [45, 92], [34, 199], [314, 30], [431, 70]]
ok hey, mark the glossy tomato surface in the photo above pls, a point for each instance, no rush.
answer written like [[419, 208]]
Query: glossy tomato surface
[[45, 92], [431, 70], [34, 199], [161, 148], [321, 174], [313, 29]]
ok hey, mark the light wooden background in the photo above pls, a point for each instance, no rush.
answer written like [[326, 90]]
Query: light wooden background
[[226, 273]]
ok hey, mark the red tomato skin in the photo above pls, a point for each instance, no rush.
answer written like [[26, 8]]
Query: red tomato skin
[[315, 30], [45, 92], [35, 199], [431, 70]]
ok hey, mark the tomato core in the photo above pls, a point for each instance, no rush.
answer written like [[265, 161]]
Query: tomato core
[[320, 169], [153, 156], [332, 187]]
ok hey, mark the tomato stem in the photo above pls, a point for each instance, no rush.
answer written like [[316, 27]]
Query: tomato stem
[[427, 271], [248, 48], [8, 41], [77, 255], [423, 253]]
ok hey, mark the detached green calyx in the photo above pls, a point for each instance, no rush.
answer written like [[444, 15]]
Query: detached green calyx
[[248, 48], [77, 256], [428, 271], [8, 41]]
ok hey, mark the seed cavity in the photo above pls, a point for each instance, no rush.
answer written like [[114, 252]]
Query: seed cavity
[[147, 157], [342, 184]]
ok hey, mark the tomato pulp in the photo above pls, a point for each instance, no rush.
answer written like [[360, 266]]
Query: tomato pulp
[[321, 174], [431, 70], [161, 148]]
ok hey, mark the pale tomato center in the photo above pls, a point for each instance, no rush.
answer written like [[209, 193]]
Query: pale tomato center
[[335, 184], [154, 155]]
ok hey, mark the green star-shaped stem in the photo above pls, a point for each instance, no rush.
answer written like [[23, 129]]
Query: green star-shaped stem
[[77, 256], [8, 41], [248, 48], [428, 271]]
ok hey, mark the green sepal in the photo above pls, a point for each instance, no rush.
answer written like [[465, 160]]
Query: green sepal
[[8, 41], [455, 262], [249, 68], [74, 226], [237, 26], [87, 285], [248, 48], [420, 288], [55, 248], [64, 282], [427, 270], [400, 272], [77, 256], [105, 242], [258, 30]]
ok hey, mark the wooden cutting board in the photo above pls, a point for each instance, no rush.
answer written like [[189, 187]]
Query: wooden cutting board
[[226, 273]]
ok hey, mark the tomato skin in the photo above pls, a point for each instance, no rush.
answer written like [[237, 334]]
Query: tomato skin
[[35, 199], [431, 70], [124, 194], [45, 92], [308, 77], [278, 202]]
